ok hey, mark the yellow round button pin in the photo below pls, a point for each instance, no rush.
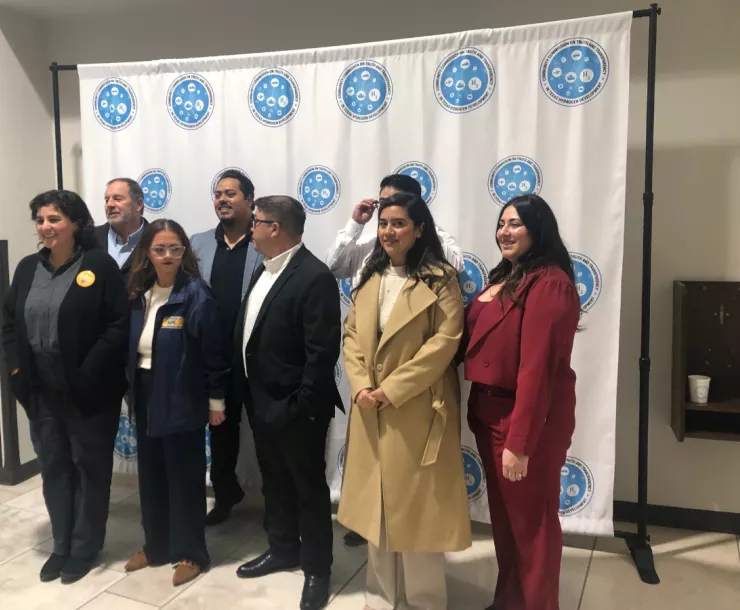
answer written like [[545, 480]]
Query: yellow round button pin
[[85, 278]]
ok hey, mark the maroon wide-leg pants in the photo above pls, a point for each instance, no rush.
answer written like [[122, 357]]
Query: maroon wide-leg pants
[[524, 515]]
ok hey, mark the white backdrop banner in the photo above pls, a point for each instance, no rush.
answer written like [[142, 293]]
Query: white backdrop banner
[[476, 117]]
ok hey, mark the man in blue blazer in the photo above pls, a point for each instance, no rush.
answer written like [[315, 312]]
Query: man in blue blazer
[[227, 260]]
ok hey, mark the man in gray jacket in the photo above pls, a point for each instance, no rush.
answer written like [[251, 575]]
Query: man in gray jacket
[[227, 260]]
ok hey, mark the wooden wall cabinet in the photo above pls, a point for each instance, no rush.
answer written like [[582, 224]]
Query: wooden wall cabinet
[[706, 341]]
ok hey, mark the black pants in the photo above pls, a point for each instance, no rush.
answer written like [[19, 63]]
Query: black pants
[[225, 452], [76, 458], [297, 499], [172, 486]]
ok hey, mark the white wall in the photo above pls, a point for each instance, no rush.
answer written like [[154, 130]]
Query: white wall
[[26, 151], [697, 161]]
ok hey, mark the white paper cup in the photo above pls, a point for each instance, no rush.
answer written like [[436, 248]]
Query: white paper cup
[[699, 389]]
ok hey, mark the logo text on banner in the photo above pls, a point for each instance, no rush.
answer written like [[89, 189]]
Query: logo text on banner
[[475, 477], [513, 176], [318, 189], [157, 189], [574, 71], [274, 97], [424, 175], [473, 278], [190, 101], [114, 104], [576, 486], [464, 81], [364, 90], [588, 279]]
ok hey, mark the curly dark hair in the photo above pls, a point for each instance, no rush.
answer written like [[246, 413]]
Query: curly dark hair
[[547, 246], [143, 275], [73, 207], [425, 261]]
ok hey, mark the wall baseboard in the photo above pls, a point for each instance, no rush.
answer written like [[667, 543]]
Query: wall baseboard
[[25, 472], [681, 518]]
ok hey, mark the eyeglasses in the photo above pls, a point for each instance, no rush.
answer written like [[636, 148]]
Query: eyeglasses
[[256, 221], [175, 251]]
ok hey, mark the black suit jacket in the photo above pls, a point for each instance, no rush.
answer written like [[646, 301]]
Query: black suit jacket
[[101, 234], [294, 346]]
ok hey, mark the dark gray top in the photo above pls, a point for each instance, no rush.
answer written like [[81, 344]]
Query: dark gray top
[[41, 312]]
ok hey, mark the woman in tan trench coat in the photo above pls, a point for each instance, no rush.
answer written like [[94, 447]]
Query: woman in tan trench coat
[[403, 486]]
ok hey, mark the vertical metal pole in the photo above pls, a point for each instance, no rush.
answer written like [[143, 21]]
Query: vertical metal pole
[[57, 123], [647, 238]]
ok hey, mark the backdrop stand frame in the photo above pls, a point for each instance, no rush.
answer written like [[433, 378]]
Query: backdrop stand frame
[[639, 542]]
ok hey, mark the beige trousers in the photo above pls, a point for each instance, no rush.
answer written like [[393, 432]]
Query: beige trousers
[[404, 581]]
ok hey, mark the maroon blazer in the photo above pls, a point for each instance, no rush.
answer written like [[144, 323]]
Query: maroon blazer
[[526, 349]]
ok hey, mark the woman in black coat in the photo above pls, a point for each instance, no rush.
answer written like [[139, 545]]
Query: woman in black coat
[[64, 337]]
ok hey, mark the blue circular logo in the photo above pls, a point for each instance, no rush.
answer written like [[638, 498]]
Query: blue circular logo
[[364, 90], [157, 189], [125, 446], [464, 81], [340, 460], [318, 189], [208, 448], [475, 478], [424, 175], [574, 71], [473, 278], [114, 104], [576, 486], [345, 291], [274, 97], [190, 101], [588, 280], [216, 178], [337, 373], [514, 176]]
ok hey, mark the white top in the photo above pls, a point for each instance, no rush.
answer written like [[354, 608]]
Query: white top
[[155, 298], [391, 285], [348, 255], [273, 268]]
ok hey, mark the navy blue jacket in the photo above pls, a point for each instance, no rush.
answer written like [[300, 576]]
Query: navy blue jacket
[[188, 361]]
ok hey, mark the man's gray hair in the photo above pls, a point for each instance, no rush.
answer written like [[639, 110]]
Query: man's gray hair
[[286, 211]]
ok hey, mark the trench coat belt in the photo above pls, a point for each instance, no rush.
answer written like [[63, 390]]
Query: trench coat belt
[[436, 432]]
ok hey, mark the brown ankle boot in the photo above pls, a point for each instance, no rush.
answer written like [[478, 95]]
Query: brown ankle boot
[[137, 562], [185, 571]]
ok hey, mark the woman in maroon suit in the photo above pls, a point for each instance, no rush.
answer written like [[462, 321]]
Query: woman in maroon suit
[[520, 332]]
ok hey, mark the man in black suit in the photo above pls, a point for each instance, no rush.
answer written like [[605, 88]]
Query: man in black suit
[[124, 206], [287, 343]]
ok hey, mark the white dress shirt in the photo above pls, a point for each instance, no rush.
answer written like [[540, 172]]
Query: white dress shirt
[[348, 255], [120, 251], [273, 268]]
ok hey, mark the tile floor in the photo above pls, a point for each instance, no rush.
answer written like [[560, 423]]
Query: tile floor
[[697, 570]]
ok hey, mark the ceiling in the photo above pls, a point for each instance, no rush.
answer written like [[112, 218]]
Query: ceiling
[[69, 8]]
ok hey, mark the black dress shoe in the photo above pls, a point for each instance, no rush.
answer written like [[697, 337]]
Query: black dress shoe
[[269, 563], [219, 514], [76, 568], [52, 569], [222, 510], [353, 539], [315, 592]]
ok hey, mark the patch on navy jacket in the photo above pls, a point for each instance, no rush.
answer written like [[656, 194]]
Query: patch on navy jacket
[[173, 322]]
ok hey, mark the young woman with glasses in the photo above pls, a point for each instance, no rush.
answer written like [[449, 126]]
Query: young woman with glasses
[[177, 373]]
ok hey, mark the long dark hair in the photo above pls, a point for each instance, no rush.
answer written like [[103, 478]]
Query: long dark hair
[[73, 207], [547, 246], [425, 261], [143, 274]]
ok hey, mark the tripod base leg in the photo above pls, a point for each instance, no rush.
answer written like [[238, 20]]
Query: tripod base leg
[[642, 555]]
